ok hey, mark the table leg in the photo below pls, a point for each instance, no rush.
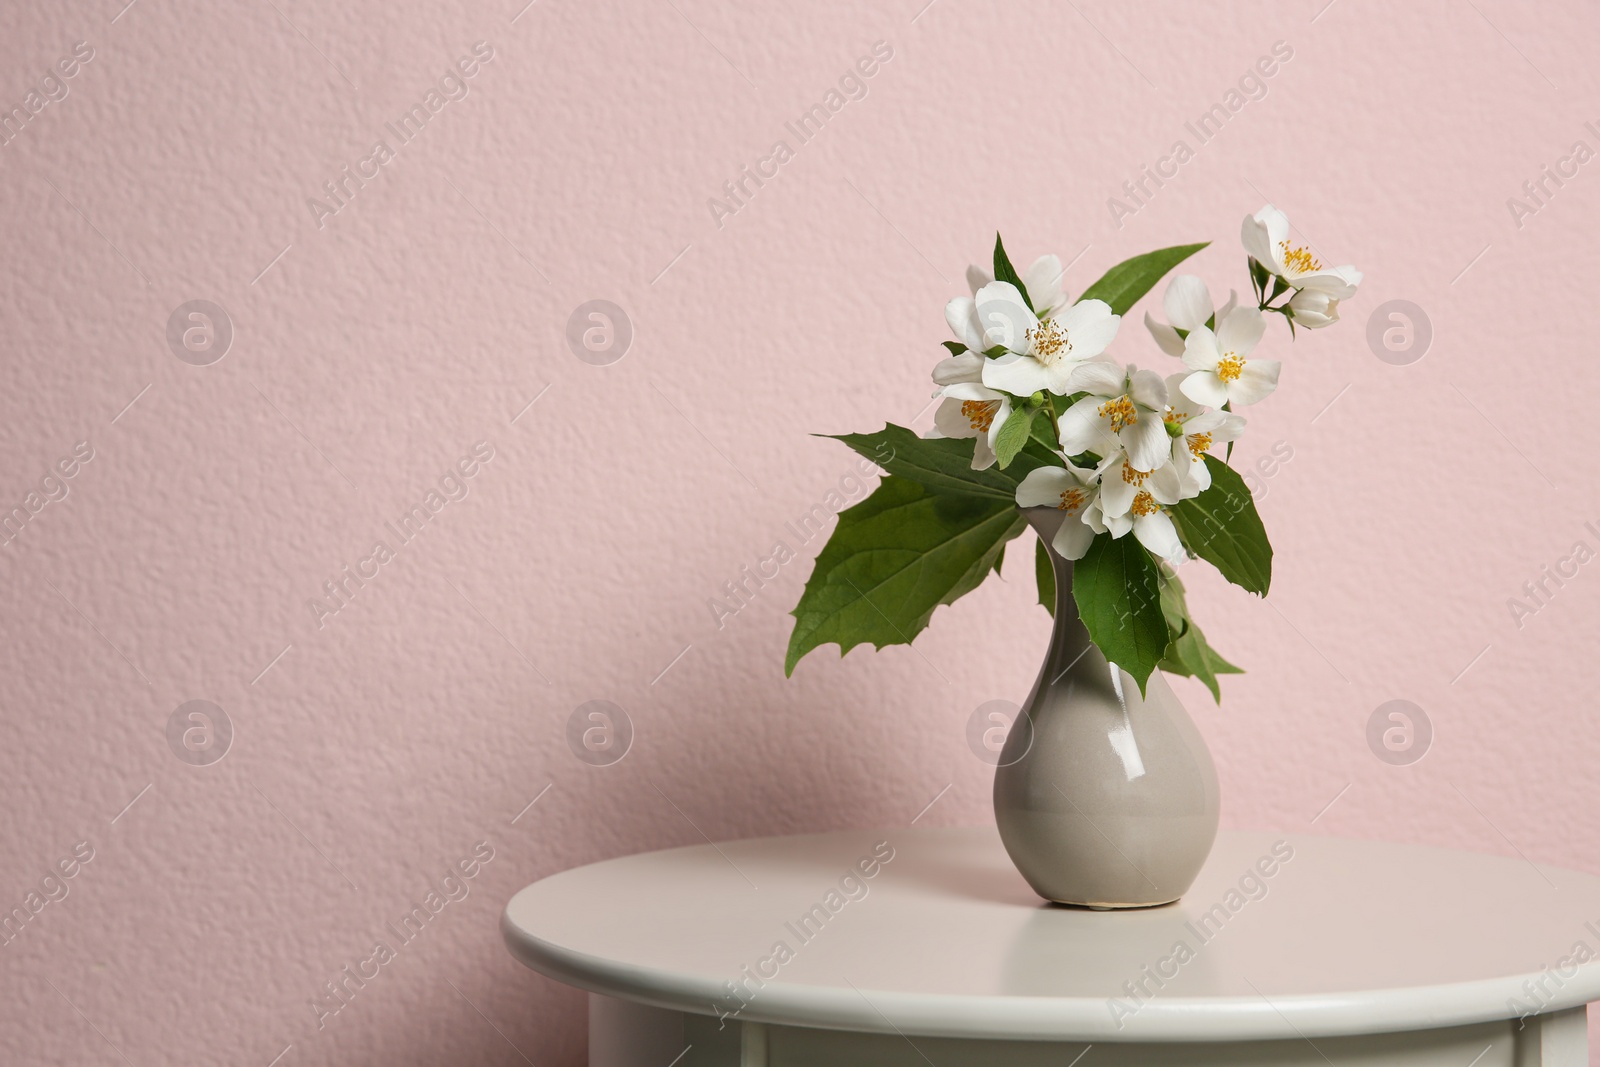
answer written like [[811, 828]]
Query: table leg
[[624, 1034], [1560, 1039], [752, 1045]]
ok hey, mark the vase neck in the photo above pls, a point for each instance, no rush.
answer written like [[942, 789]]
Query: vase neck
[[1070, 647]]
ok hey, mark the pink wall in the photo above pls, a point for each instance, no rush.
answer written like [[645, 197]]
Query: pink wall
[[391, 337]]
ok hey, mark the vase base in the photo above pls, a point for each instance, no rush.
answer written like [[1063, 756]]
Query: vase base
[[1104, 906]]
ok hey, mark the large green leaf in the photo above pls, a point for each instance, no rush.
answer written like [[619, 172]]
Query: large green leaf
[[1221, 526], [944, 464], [1188, 652], [1124, 284], [892, 559], [1119, 599], [1005, 272], [1044, 576]]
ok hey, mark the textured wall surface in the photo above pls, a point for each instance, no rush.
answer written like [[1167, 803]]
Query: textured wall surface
[[393, 338]]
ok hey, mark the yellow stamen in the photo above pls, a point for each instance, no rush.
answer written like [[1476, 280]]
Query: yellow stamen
[[1298, 259], [1198, 443], [1072, 499], [1049, 342], [1144, 504], [1229, 367], [980, 413], [1131, 476], [1120, 411]]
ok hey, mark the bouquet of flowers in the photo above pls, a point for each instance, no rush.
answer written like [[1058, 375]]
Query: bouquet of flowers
[[1033, 413]]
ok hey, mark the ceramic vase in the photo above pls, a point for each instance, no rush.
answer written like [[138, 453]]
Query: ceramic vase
[[1104, 797]]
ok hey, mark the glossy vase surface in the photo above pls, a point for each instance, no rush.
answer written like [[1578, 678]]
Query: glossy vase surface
[[1104, 798]]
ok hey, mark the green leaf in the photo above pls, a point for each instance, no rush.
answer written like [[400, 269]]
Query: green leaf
[[893, 559], [1044, 574], [1005, 272], [1119, 600], [1258, 278], [944, 464], [1014, 433], [1221, 526], [1188, 652], [955, 347], [1124, 284]]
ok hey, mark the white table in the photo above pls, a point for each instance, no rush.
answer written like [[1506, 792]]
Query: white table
[[1348, 952]]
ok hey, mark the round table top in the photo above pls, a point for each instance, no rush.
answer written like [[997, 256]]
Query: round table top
[[1281, 935]]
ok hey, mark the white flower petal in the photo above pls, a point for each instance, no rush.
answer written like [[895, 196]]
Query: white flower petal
[[1043, 282], [1167, 338], [1156, 532], [1200, 351], [971, 391], [1187, 302], [1183, 408], [1147, 443], [1163, 484], [1018, 375], [967, 367], [1257, 244], [1084, 475], [1241, 330], [1196, 477], [1255, 383], [977, 278], [1061, 375], [1072, 540], [962, 316], [1277, 227], [1116, 492], [1204, 387], [1043, 487], [1100, 377], [983, 456], [950, 422], [1231, 428], [1339, 283], [1090, 326], [1081, 427], [1004, 317], [1233, 302], [1000, 416], [1147, 388]]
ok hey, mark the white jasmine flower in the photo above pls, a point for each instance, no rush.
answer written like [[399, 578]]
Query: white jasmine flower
[[1222, 373], [1313, 309], [970, 410], [1126, 403], [1194, 431], [1041, 354], [1266, 238], [1071, 489], [1121, 485], [1187, 303], [1149, 522], [1042, 281]]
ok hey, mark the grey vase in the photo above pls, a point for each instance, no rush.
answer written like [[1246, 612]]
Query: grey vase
[[1104, 798]]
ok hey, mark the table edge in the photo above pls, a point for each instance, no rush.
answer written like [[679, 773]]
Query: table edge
[[1170, 1019]]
